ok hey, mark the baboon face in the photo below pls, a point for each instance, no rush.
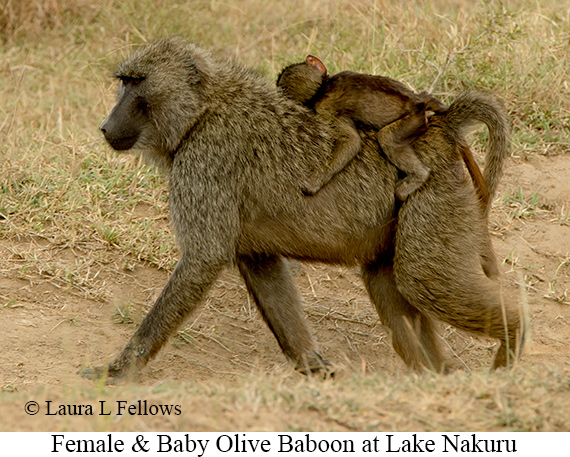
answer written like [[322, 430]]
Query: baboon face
[[123, 126], [147, 114]]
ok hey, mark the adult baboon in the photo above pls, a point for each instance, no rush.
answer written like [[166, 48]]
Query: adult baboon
[[234, 148]]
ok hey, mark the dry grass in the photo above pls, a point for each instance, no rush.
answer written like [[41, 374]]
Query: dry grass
[[70, 208], [536, 400]]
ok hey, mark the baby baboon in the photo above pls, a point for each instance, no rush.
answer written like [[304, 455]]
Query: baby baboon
[[234, 148], [348, 99]]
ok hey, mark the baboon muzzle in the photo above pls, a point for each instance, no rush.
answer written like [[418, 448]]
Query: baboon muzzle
[[122, 127]]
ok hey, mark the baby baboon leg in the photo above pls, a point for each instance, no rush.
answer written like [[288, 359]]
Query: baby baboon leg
[[346, 147], [489, 261], [416, 173], [431, 103], [413, 334], [396, 141], [181, 295], [401, 130], [271, 285]]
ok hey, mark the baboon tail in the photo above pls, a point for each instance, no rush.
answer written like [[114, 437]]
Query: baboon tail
[[471, 107]]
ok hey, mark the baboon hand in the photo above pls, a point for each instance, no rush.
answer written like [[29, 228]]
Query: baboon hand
[[106, 373], [315, 365]]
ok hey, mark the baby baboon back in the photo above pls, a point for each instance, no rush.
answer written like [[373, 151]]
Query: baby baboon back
[[234, 147], [349, 99]]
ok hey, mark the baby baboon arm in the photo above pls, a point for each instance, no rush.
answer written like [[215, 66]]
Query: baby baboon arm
[[346, 147]]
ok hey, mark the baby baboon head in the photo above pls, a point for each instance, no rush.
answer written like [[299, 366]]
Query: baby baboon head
[[301, 81]]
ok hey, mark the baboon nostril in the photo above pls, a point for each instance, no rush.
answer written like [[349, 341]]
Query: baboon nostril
[[102, 126]]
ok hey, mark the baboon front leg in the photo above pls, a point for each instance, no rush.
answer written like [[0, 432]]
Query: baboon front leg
[[347, 145], [271, 285], [181, 295], [413, 334]]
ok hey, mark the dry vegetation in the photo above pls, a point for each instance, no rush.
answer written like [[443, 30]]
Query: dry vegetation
[[85, 245]]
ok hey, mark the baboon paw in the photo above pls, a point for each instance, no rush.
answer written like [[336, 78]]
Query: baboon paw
[[436, 106], [405, 189], [101, 373], [318, 372], [431, 103], [506, 359], [449, 366], [317, 366]]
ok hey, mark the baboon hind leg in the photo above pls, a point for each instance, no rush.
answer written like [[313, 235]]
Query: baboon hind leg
[[413, 333], [442, 276], [269, 281]]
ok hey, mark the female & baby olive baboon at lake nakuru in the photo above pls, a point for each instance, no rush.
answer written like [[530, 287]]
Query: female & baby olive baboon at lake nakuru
[[234, 149]]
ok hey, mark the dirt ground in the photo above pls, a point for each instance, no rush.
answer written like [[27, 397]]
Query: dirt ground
[[49, 331]]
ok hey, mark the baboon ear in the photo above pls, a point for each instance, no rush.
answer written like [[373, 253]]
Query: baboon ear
[[316, 63]]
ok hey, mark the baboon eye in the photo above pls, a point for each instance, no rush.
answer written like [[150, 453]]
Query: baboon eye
[[131, 80]]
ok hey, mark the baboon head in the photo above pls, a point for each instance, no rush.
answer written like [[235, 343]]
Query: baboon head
[[122, 128], [159, 99], [301, 81]]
